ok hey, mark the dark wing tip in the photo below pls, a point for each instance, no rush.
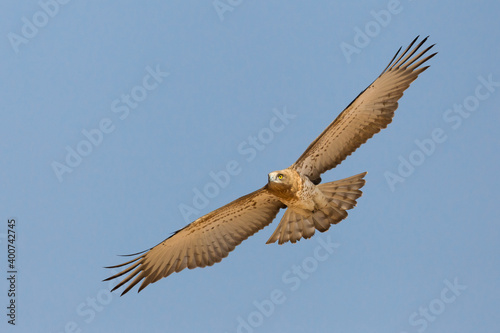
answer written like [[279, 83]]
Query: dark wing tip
[[405, 56], [133, 254], [125, 263], [142, 287]]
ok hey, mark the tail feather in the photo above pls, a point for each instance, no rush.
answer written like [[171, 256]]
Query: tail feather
[[341, 195], [321, 222], [295, 228], [308, 229]]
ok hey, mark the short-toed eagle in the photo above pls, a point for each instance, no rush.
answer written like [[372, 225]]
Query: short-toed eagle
[[310, 206]]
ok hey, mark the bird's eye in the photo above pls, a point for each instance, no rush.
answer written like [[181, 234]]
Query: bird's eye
[[280, 176]]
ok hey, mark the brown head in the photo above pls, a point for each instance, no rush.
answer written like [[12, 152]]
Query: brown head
[[284, 183]]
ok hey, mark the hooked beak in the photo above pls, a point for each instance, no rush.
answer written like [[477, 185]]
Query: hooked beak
[[271, 177]]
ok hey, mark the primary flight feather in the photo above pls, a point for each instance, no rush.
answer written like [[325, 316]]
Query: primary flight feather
[[310, 206]]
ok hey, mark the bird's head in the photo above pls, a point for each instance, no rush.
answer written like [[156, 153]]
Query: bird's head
[[281, 180], [279, 177]]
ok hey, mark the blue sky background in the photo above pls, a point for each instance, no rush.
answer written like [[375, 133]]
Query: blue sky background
[[395, 255]]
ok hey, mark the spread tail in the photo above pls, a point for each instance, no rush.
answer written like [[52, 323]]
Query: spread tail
[[341, 196]]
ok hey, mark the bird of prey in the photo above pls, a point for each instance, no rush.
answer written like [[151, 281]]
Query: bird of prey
[[310, 205]]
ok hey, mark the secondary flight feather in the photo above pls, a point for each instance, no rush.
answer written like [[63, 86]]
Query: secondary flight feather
[[310, 205]]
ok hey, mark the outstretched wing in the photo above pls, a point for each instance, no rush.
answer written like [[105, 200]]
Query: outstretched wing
[[204, 242], [370, 112]]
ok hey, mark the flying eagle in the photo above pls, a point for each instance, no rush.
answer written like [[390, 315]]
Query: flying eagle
[[310, 206]]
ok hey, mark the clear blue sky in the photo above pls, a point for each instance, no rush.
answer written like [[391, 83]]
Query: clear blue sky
[[418, 254]]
